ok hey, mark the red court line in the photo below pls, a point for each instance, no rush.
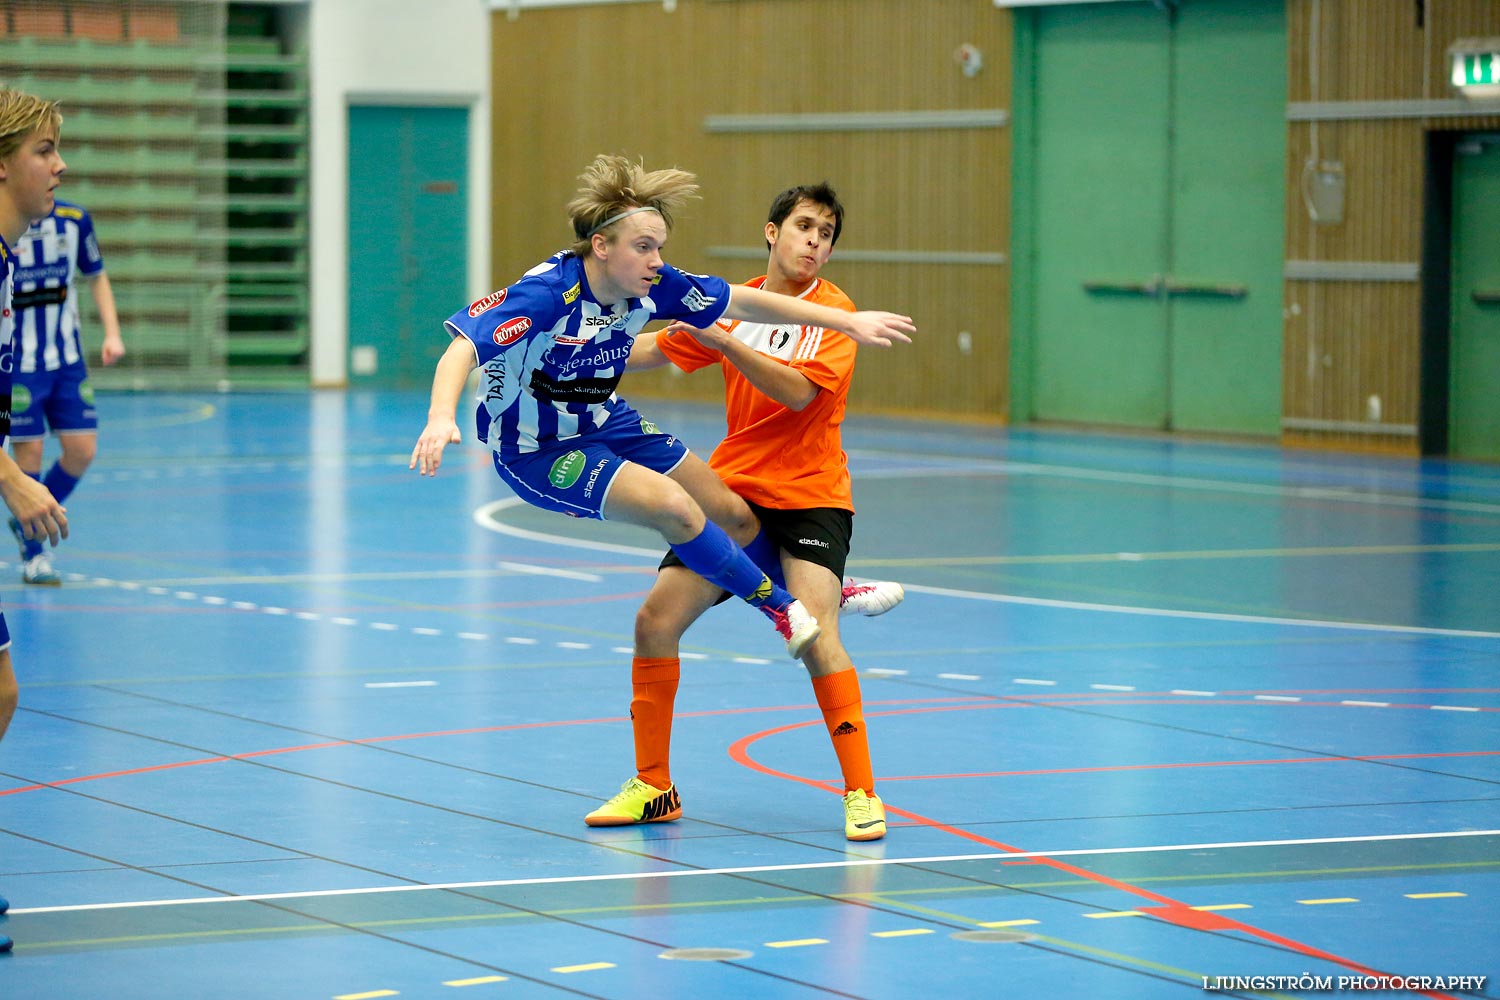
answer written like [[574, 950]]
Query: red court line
[[1167, 909], [276, 751], [928, 705]]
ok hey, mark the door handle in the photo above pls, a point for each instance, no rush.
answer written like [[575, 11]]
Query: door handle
[[1144, 289], [1159, 286], [1202, 290], [1487, 298]]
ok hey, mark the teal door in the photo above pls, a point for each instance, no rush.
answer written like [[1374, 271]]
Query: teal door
[[1157, 145], [408, 234], [1474, 358]]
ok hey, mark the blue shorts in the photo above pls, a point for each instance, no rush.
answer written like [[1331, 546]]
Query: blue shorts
[[573, 476], [61, 399], [4, 632]]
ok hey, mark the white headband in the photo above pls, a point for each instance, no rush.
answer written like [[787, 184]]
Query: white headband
[[617, 217]]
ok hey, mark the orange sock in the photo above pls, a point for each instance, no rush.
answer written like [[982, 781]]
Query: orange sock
[[843, 711], [653, 683]]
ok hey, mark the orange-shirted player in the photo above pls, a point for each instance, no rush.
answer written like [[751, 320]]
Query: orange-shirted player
[[785, 392]]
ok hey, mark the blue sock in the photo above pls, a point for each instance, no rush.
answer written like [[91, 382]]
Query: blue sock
[[767, 555], [30, 547], [58, 482], [714, 556]]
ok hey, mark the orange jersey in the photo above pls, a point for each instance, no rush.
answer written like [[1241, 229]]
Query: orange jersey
[[773, 456]]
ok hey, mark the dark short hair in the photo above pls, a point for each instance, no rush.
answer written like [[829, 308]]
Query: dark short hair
[[818, 194]]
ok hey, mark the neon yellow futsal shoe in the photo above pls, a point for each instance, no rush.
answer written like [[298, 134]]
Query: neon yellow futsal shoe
[[637, 802], [864, 816]]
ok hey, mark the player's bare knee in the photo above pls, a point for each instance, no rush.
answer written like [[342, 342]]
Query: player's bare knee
[[78, 451], [655, 625], [10, 697], [677, 515]]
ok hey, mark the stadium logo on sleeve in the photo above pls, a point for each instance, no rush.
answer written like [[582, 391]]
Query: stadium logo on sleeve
[[512, 330], [487, 303]]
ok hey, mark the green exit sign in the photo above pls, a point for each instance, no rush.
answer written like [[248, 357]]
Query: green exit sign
[[1476, 67], [1471, 68]]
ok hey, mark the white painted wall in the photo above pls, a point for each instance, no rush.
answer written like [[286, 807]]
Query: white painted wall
[[387, 52]]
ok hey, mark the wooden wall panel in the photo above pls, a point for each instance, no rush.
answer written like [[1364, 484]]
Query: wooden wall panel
[[1383, 167], [1348, 341], [584, 81]]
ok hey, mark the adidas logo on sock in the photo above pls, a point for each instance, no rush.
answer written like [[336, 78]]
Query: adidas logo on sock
[[845, 729]]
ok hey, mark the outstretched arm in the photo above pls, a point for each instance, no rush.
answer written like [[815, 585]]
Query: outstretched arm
[[781, 382], [447, 386], [879, 329]]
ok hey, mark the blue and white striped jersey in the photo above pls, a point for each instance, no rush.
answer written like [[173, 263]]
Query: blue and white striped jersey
[[49, 256], [550, 356], [7, 338]]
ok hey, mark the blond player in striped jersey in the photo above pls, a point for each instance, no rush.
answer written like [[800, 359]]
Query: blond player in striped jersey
[[30, 170]]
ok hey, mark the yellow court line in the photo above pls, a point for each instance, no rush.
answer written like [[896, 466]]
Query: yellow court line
[[1010, 923], [1221, 906], [799, 943], [587, 967], [1320, 902], [477, 981], [197, 414], [1436, 895], [367, 996], [910, 932], [1114, 913]]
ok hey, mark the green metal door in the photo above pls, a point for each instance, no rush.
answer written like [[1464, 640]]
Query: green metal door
[[1100, 189], [1156, 223], [1474, 359], [408, 237]]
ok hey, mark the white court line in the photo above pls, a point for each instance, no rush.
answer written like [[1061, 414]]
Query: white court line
[[1214, 616], [969, 467], [486, 517], [755, 870], [566, 574]]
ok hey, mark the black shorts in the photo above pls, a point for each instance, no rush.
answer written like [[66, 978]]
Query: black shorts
[[817, 534]]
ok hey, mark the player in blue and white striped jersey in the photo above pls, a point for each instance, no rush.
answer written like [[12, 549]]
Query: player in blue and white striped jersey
[[552, 347], [30, 169], [52, 390]]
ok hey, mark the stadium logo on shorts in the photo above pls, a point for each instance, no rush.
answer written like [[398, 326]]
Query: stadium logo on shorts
[[566, 470], [20, 399], [512, 330], [487, 303]]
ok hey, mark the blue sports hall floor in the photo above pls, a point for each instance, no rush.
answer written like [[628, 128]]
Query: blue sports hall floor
[[1156, 714]]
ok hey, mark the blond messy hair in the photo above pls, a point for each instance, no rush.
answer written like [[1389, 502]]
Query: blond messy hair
[[21, 114], [614, 184]]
